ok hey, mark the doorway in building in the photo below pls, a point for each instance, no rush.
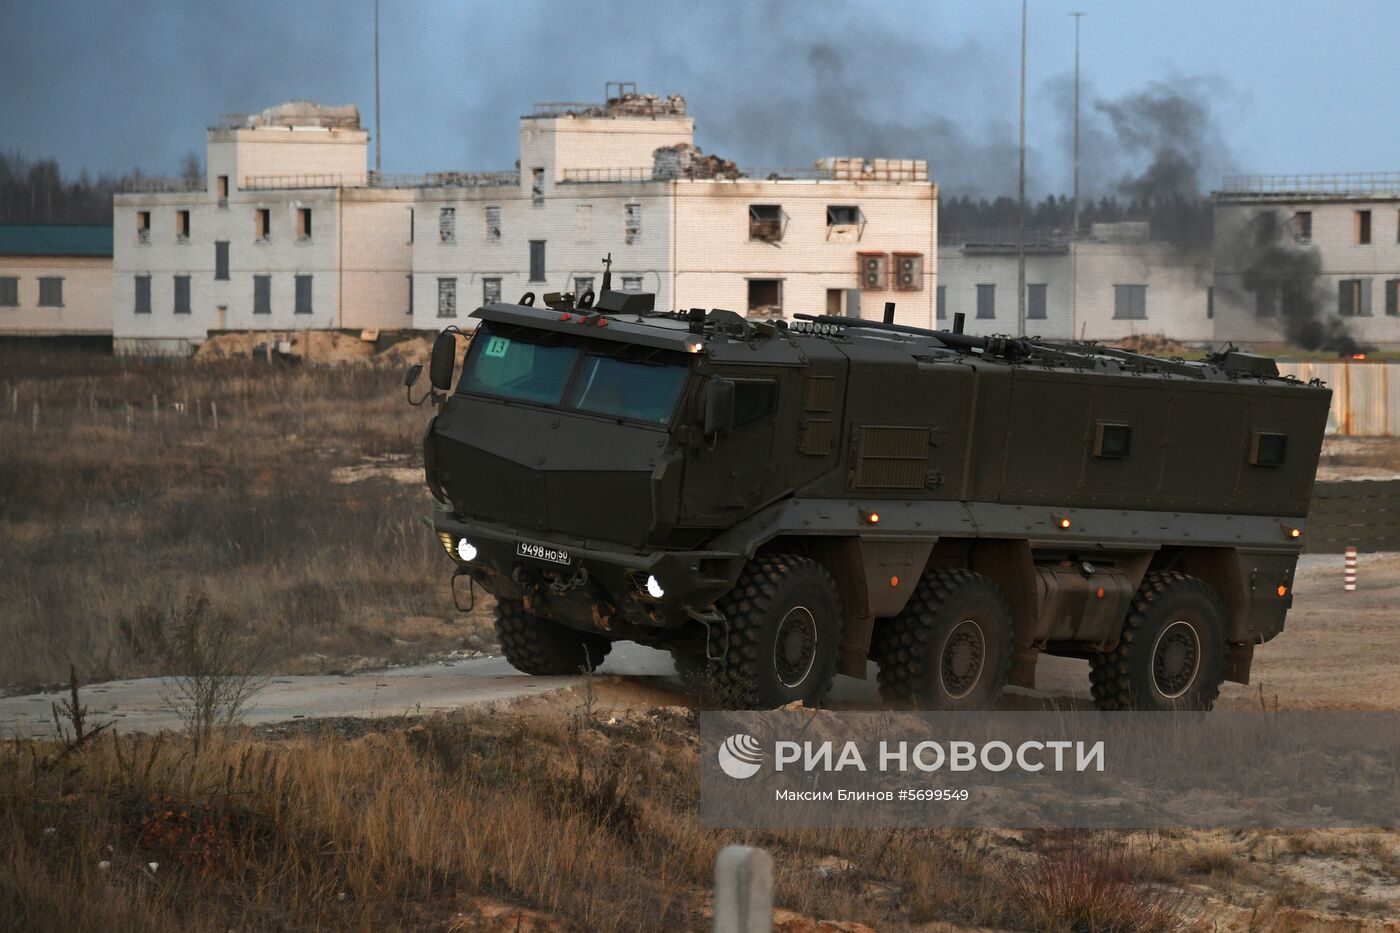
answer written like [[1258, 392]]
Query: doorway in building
[[833, 301]]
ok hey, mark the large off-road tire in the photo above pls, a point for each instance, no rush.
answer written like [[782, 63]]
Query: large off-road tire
[[950, 648], [1171, 655], [784, 629], [539, 646]]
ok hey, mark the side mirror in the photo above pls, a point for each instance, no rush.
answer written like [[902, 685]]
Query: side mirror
[[443, 361], [410, 375], [719, 407]]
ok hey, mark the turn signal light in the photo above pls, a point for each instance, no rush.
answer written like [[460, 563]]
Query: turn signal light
[[564, 317], [870, 518], [1282, 590], [1065, 523], [1295, 532], [1099, 592], [894, 581]]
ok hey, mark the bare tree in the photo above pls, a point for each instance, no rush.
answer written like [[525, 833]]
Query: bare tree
[[213, 664]]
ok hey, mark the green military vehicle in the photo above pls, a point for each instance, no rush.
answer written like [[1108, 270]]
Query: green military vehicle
[[778, 503]]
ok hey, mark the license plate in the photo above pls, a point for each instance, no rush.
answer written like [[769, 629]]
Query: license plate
[[542, 552]]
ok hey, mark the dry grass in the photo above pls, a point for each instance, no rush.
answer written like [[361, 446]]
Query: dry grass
[[102, 526]]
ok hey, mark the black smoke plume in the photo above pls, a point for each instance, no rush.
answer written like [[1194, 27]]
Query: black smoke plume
[[1284, 278]]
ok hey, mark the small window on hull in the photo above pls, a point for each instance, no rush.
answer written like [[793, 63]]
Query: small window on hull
[[1267, 449], [1112, 441]]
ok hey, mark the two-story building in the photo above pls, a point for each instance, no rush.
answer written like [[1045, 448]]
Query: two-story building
[[1305, 258], [1112, 283]]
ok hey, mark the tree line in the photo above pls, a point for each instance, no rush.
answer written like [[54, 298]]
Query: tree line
[[35, 191]]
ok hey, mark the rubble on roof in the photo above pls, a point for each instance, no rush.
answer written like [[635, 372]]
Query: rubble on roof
[[685, 160], [297, 113]]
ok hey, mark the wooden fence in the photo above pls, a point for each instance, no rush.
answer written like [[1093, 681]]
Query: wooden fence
[[1364, 514]]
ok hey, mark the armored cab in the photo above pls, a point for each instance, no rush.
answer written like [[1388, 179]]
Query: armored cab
[[778, 503]]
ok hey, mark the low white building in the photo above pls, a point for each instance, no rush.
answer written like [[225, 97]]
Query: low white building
[[1112, 284], [1308, 259], [286, 232], [624, 179], [55, 280]]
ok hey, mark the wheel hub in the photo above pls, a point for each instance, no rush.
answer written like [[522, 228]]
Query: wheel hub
[[1175, 659], [964, 652], [795, 648]]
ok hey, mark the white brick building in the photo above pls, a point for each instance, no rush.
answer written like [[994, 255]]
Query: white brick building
[[1112, 284], [592, 183], [1325, 243], [285, 233]]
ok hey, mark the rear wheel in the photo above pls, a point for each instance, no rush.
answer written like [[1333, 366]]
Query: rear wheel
[[1171, 655], [784, 625], [950, 648], [540, 646]]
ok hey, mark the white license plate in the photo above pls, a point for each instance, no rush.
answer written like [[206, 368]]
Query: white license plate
[[553, 555]]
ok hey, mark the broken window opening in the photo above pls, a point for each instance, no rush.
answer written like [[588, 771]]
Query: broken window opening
[[765, 298], [222, 190], [1361, 227], [490, 290], [493, 224], [447, 297], [182, 226], [537, 186], [584, 223], [632, 222], [143, 226], [262, 223], [447, 224], [303, 223], [1354, 297], [1302, 226], [766, 222]]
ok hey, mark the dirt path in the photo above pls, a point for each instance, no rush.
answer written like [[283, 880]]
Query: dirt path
[[1339, 651]]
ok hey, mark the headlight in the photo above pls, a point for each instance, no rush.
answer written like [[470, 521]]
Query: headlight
[[466, 550], [654, 589]]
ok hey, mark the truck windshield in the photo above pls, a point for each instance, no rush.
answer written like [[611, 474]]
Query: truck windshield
[[615, 380], [628, 389]]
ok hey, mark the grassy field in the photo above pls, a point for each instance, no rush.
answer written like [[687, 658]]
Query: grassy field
[[123, 495], [556, 818]]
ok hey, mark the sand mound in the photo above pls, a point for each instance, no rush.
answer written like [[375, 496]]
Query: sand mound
[[325, 346], [1155, 344]]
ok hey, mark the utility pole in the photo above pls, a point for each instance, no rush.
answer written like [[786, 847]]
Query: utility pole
[[1074, 230], [1021, 196], [377, 166]]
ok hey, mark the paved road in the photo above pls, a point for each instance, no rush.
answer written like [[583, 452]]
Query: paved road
[[140, 706], [1328, 633]]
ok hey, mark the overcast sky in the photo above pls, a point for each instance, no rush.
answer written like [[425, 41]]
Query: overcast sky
[[1283, 85]]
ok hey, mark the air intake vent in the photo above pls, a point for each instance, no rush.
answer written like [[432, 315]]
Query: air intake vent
[[892, 458], [821, 393]]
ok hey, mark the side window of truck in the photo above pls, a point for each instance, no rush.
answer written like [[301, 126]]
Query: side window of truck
[[754, 400]]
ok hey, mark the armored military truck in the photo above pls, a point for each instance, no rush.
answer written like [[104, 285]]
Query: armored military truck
[[776, 503]]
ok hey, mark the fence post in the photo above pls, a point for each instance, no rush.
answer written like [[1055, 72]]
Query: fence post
[[743, 890], [1349, 575], [214, 413]]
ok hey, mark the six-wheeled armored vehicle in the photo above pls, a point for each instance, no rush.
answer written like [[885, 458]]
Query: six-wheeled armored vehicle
[[777, 503]]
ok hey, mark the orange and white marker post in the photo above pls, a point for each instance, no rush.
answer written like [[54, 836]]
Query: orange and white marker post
[[1349, 577]]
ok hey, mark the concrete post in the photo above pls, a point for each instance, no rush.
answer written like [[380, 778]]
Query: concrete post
[[743, 890]]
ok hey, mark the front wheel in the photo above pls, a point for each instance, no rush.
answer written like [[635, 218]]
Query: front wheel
[[784, 626], [539, 646], [1171, 655]]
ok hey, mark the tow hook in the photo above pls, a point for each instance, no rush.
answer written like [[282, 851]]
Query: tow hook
[[711, 619], [559, 586], [471, 590]]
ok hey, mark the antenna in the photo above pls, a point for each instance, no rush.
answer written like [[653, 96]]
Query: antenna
[[377, 166], [607, 273]]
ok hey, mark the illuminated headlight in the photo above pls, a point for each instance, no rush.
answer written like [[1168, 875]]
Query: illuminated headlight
[[654, 589], [466, 550]]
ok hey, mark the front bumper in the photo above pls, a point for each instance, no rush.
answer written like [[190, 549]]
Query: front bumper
[[602, 588]]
